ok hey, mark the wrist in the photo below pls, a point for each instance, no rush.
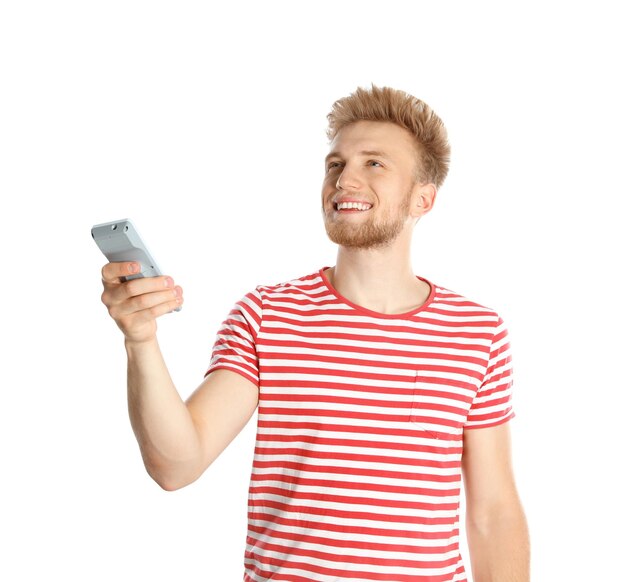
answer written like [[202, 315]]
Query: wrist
[[133, 345]]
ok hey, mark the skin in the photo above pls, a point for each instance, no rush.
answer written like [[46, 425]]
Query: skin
[[179, 440], [374, 269]]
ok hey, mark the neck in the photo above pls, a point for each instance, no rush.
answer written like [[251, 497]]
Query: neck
[[381, 280]]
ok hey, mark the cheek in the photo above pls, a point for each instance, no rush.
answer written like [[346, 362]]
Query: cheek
[[328, 186]]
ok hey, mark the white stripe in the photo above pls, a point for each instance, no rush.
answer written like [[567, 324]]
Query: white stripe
[[414, 440], [363, 465], [414, 334]]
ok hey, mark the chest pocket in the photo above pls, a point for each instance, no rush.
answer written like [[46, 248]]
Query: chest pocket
[[440, 405]]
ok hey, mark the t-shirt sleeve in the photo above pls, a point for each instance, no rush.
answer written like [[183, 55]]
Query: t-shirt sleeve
[[235, 346], [492, 404]]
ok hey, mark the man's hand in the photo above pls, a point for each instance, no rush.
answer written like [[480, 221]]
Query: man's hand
[[135, 304]]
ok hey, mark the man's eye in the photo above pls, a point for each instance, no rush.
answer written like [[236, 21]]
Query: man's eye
[[333, 165], [374, 162]]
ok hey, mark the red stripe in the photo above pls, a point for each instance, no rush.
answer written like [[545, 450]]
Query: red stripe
[[320, 398], [342, 558], [337, 470], [274, 575], [379, 417], [361, 486], [317, 324], [346, 348], [381, 532], [411, 430], [339, 514], [351, 544], [393, 445], [348, 500], [383, 460], [370, 375]]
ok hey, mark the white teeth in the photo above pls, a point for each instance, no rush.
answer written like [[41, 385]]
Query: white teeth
[[357, 205]]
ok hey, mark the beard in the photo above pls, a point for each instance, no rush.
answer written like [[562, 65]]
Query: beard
[[369, 233]]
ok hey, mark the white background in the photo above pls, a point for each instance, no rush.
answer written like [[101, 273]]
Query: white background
[[205, 124]]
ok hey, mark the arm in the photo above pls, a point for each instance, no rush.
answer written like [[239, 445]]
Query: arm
[[497, 532], [178, 440]]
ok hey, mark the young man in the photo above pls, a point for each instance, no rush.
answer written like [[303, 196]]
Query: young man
[[376, 389]]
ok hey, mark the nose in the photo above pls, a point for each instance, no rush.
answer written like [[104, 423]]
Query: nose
[[348, 179]]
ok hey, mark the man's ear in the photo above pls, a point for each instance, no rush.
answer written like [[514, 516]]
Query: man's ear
[[423, 199]]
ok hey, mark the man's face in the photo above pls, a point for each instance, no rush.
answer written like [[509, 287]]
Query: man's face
[[372, 163]]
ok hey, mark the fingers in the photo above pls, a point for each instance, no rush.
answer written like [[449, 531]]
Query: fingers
[[140, 286], [112, 272], [166, 307], [126, 297], [170, 299]]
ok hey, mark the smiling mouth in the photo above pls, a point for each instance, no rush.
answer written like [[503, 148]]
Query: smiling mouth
[[351, 207]]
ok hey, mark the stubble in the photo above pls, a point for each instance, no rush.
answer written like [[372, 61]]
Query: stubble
[[374, 232]]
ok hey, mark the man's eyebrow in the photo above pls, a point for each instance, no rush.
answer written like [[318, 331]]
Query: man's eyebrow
[[378, 153]]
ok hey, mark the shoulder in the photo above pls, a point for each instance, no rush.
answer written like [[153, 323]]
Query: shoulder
[[305, 284], [455, 304], [255, 301]]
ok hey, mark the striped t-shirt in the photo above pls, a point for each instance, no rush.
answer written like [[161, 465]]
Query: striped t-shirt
[[357, 464]]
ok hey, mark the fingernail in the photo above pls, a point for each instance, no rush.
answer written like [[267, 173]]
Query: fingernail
[[134, 268], [169, 282]]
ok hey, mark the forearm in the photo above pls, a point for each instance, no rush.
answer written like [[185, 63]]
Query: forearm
[[160, 420], [500, 548]]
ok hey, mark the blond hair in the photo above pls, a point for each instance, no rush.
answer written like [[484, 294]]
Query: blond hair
[[387, 104]]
